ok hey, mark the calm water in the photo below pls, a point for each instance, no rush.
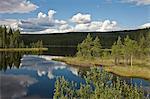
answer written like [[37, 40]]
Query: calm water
[[61, 51], [33, 76]]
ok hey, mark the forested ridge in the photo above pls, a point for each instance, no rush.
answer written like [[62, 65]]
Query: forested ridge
[[74, 38]]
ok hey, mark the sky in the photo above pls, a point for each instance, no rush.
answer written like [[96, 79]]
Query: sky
[[58, 16]]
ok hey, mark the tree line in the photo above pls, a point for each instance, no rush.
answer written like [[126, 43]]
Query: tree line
[[129, 49], [10, 38], [123, 49]]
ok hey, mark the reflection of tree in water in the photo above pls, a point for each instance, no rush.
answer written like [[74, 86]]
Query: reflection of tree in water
[[10, 59], [13, 59]]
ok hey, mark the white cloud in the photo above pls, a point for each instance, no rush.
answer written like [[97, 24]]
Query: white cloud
[[81, 27], [95, 25], [146, 25], [51, 13], [41, 15], [43, 23], [108, 25], [60, 22], [47, 23], [10, 22], [16, 6], [138, 2], [81, 18]]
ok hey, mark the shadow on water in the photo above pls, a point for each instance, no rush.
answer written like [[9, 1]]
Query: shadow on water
[[61, 51]]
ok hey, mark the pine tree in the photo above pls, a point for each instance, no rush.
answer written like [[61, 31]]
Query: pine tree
[[130, 48], [96, 48], [117, 50], [142, 46], [84, 49]]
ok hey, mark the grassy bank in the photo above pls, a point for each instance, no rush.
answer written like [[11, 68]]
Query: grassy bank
[[23, 49], [137, 70], [134, 71]]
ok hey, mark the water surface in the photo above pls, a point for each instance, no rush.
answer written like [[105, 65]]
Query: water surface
[[34, 76]]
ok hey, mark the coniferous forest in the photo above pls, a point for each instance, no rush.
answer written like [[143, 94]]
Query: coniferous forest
[[74, 49], [10, 38]]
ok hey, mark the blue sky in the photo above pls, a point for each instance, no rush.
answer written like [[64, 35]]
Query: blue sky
[[126, 13]]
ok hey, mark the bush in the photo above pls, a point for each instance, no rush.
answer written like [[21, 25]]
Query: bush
[[99, 85]]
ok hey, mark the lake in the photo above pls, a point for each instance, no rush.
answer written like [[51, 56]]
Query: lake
[[24, 75]]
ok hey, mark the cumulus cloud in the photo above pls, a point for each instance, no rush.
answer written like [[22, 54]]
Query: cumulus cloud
[[146, 25], [47, 23], [138, 2], [106, 25], [81, 27], [95, 25], [81, 18], [16, 6], [44, 23]]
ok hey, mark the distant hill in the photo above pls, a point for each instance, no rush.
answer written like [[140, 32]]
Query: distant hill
[[73, 38]]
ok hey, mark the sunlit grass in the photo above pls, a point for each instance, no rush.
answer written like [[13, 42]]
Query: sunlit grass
[[140, 68], [23, 49], [134, 71], [82, 62]]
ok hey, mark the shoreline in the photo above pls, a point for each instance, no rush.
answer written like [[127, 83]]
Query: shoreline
[[22, 49], [121, 70]]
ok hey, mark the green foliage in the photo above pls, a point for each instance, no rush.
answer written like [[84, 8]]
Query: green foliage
[[84, 49], [38, 44], [9, 38], [126, 50], [21, 45], [74, 38], [130, 46], [96, 49], [129, 49], [142, 47], [99, 85], [89, 48], [63, 89], [117, 49]]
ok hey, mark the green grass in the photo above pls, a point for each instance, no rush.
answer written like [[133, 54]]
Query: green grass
[[128, 71], [140, 68], [23, 49]]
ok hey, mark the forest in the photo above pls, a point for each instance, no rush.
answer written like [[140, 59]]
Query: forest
[[99, 84], [74, 38], [10, 38]]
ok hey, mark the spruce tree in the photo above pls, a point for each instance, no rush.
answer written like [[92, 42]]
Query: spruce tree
[[96, 48], [117, 50], [130, 48], [84, 49]]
